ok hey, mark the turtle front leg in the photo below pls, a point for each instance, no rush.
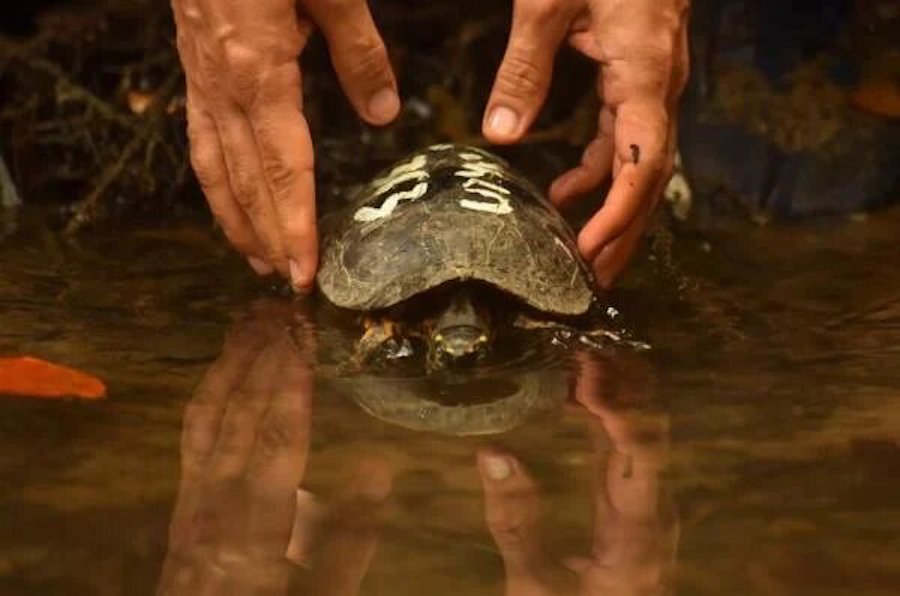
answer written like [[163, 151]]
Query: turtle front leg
[[382, 337]]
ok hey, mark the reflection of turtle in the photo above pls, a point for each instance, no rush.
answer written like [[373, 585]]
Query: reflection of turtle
[[447, 246], [468, 405]]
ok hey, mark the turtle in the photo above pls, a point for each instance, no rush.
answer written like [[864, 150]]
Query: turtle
[[449, 247]]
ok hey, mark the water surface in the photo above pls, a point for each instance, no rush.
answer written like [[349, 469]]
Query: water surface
[[754, 450]]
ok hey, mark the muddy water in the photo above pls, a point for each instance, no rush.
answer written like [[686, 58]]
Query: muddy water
[[754, 450]]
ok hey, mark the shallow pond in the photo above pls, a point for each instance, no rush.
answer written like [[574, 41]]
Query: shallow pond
[[754, 450]]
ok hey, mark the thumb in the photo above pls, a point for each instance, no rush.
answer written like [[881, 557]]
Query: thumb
[[359, 57], [520, 88]]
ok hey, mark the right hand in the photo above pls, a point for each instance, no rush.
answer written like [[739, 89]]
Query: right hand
[[250, 143], [635, 533]]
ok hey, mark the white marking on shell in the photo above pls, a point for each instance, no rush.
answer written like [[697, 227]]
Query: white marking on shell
[[441, 147], [399, 179], [474, 172], [469, 156], [477, 169], [500, 206], [367, 214], [496, 208], [475, 182], [400, 173]]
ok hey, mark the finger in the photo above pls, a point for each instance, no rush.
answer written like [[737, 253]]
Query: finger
[[596, 164], [282, 444], [641, 133], [520, 88], [238, 431], [203, 415], [613, 259], [512, 510], [202, 421], [247, 181], [208, 164], [350, 547], [359, 57], [286, 152]]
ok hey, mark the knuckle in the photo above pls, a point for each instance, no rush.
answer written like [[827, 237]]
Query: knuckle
[[520, 77], [245, 192], [206, 165], [277, 432], [245, 67], [281, 174]]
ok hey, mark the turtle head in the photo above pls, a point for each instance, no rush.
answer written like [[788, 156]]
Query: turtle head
[[460, 334], [459, 345]]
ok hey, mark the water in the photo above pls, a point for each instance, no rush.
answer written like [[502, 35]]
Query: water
[[754, 450]]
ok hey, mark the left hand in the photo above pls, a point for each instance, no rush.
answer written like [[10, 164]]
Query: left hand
[[244, 449], [242, 519], [641, 49]]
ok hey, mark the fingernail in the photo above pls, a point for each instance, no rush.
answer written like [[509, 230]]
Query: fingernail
[[503, 121], [260, 266], [496, 467], [298, 277], [384, 105]]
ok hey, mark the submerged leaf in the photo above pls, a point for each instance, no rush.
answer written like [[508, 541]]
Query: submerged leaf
[[33, 377]]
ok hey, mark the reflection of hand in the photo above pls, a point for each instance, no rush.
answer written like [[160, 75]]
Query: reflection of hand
[[244, 447], [641, 48], [239, 517], [250, 143], [635, 533]]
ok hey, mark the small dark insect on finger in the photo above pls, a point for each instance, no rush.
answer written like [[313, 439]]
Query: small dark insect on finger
[[635, 153]]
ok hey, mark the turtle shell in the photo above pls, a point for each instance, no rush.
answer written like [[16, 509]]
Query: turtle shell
[[451, 213]]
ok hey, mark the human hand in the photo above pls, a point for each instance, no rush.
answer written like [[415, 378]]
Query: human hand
[[641, 49], [250, 143], [244, 448], [635, 533], [241, 519]]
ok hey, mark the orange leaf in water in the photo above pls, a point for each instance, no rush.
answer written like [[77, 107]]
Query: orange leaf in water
[[33, 377]]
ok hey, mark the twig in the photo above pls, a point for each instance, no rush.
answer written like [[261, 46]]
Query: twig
[[86, 209], [73, 89]]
